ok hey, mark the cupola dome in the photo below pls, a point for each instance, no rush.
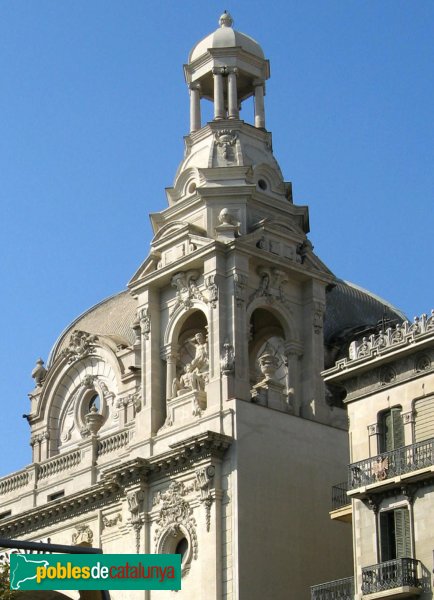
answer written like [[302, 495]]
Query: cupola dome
[[226, 37]]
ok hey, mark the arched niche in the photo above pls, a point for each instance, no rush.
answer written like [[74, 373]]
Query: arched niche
[[187, 354], [267, 348]]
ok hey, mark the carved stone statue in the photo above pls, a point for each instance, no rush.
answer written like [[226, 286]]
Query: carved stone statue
[[200, 361], [195, 372], [190, 380]]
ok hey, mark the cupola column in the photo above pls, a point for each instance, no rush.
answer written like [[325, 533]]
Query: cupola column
[[219, 108], [170, 354], [195, 116], [259, 104], [232, 93]]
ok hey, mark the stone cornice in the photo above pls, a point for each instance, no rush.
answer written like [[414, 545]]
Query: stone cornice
[[54, 512], [182, 456]]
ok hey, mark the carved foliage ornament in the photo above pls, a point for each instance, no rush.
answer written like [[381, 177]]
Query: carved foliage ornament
[[82, 535], [212, 289], [145, 322], [400, 334], [186, 289], [270, 285], [40, 437], [81, 344], [227, 361], [225, 140], [113, 521], [318, 317], [240, 283]]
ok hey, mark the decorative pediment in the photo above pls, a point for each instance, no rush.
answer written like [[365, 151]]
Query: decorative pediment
[[173, 242], [286, 240], [279, 226], [175, 228]]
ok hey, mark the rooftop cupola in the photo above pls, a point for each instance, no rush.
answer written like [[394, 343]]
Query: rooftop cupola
[[226, 67]]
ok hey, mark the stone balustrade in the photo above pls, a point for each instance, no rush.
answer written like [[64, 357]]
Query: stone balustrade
[[388, 339], [14, 482], [113, 442], [63, 462]]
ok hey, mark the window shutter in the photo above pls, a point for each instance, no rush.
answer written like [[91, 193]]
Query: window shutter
[[387, 433], [392, 430], [402, 533], [424, 422], [398, 428]]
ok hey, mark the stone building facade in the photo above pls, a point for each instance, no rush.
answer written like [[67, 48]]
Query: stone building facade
[[188, 413], [389, 383]]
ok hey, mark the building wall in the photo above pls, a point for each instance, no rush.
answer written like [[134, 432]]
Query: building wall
[[285, 468]]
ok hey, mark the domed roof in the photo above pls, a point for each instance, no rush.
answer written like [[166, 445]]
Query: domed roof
[[351, 310], [226, 37], [111, 317]]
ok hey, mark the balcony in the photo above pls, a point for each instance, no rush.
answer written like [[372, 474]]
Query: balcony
[[341, 589], [400, 462], [341, 504], [397, 578]]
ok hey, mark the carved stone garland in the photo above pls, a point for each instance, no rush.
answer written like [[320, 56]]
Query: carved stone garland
[[175, 518]]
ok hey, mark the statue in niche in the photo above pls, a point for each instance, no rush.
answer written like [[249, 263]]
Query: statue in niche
[[200, 361], [189, 381], [271, 363], [195, 372]]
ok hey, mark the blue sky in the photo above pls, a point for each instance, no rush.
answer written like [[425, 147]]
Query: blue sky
[[93, 110]]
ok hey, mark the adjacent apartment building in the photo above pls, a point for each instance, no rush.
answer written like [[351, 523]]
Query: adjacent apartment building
[[388, 379]]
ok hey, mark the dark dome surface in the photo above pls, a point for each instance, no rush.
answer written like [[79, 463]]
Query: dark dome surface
[[111, 317]]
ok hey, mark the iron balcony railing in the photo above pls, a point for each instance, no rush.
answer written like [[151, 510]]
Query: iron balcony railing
[[401, 572], [341, 589], [389, 464], [339, 496]]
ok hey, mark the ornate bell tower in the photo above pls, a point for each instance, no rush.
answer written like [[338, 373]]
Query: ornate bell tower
[[232, 293], [231, 302]]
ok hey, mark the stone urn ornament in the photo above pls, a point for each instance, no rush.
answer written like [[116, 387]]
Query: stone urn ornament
[[94, 420]]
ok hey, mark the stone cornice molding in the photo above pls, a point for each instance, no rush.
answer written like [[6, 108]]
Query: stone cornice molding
[[182, 456], [72, 506]]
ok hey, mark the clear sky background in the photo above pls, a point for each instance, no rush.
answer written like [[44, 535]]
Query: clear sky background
[[93, 109]]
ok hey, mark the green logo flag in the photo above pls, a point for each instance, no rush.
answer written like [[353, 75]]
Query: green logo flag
[[95, 572]]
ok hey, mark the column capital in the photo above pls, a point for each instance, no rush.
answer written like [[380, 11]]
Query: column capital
[[169, 353], [293, 349], [258, 82], [232, 70], [218, 70], [194, 86]]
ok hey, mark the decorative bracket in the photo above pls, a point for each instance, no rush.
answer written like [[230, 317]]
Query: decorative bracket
[[135, 505], [205, 478]]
